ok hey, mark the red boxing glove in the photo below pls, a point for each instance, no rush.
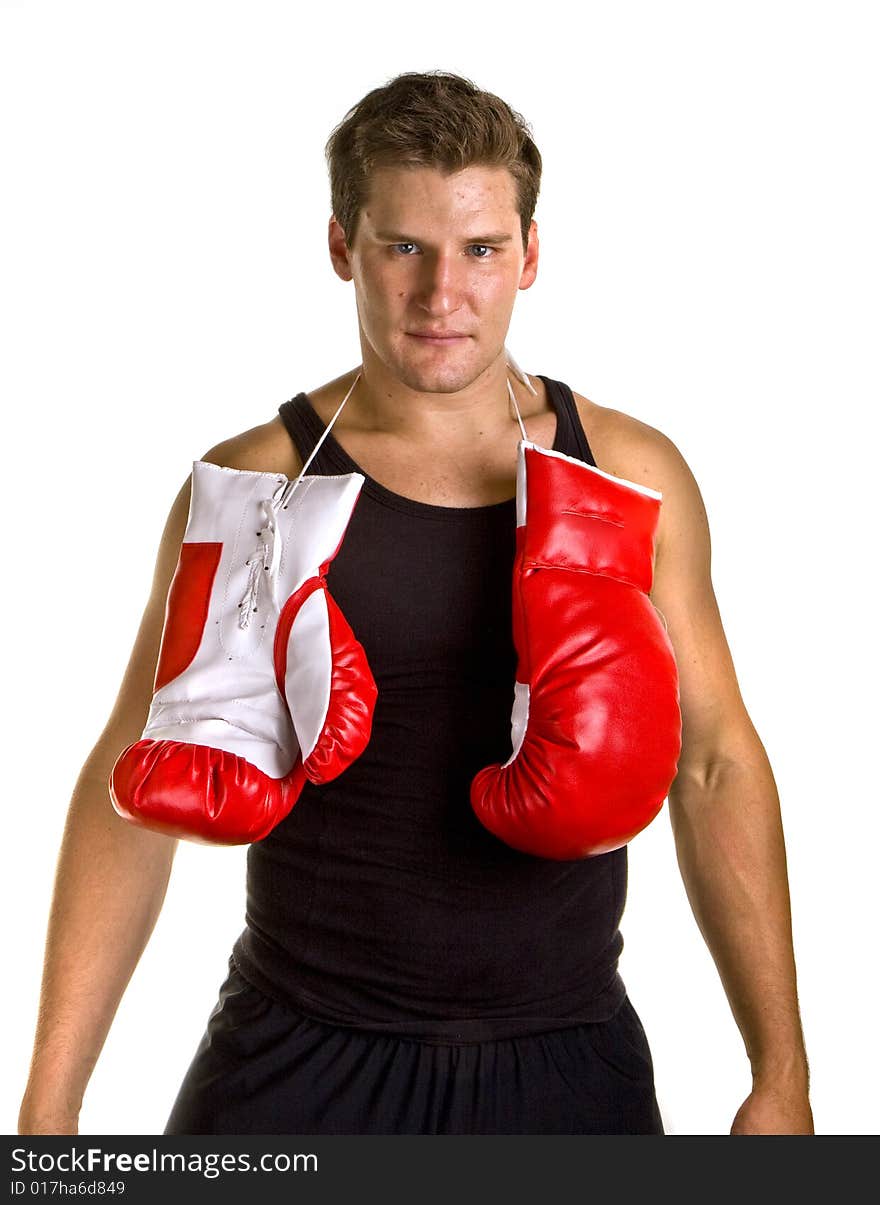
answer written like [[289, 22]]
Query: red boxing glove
[[260, 682], [596, 725]]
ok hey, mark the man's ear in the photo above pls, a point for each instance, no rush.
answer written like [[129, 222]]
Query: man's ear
[[530, 264], [338, 247]]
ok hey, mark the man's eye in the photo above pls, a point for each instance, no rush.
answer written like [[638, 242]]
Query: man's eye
[[480, 246]]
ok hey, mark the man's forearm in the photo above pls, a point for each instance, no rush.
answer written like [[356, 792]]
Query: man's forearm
[[731, 852], [110, 883]]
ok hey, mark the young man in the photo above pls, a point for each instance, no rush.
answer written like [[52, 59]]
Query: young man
[[403, 971]]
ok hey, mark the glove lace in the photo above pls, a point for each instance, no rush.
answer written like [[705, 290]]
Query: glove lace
[[263, 560]]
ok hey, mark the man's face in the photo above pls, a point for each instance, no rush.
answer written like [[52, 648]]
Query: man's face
[[436, 253]]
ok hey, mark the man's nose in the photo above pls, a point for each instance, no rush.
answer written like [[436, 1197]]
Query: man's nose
[[441, 281]]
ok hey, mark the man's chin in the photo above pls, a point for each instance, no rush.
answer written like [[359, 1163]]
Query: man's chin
[[449, 372]]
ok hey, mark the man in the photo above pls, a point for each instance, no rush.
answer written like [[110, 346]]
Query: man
[[402, 971]]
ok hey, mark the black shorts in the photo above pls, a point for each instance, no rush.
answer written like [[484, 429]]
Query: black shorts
[[263, 1068]]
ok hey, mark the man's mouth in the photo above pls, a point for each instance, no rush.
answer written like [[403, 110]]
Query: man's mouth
[[429, 337]]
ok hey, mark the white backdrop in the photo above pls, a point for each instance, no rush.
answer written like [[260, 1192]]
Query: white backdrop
[[709, 264]]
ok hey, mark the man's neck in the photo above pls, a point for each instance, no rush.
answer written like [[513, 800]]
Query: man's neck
[[381, 402]]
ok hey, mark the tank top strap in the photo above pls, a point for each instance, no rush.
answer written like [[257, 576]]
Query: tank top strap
[[305, 429], [570, 435]]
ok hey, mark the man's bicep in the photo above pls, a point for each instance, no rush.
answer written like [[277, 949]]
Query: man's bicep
[[715, 724]]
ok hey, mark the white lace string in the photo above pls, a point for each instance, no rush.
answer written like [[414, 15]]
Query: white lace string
[[266, 557], [519, 372], [284, 495], [263, 560], [516, 408]]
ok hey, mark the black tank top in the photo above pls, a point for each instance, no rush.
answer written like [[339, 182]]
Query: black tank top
[[381, 902]]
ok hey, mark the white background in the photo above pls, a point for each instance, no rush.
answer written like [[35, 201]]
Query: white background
[[709, 264]]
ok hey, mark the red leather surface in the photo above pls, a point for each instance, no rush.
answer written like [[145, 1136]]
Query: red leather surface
[[186, 610], [603, 737], [577, 519], [353, 691], [200, 793], [204, 793]]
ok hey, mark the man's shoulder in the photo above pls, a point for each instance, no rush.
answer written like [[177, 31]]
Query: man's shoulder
[[628, 447], [266, 448], [632, 449]]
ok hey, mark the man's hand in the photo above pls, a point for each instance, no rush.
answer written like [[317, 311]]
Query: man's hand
[[774, 1109]]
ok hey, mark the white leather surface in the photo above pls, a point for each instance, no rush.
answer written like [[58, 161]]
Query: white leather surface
[[307, 682], [227, 697], [519, 717]]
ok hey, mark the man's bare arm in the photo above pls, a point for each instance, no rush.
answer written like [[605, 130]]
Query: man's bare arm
[[110, 883], [725, 814], [111, 876]]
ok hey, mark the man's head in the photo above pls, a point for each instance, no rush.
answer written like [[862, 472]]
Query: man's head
[[434, 184], [429, 119]]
